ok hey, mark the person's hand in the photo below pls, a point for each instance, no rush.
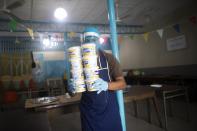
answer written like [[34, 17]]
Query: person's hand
[[71, 86], [100, 85]]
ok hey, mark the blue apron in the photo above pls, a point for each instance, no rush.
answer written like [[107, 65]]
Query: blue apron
[[100, 112]]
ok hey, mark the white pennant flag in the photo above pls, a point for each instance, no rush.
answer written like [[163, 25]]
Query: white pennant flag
[[160, 33], [41, 37]]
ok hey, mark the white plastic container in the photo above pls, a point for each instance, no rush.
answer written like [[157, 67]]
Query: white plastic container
[[90, 61], [80, 88], [91, 73], [74, 52], [79, 85], [76, 64], [88, 49], [90, 64], [75, 59], [77, 75]]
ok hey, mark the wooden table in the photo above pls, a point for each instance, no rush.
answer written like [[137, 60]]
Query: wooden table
[[63, 104], [138, 93], [62, 101], [55, 109]]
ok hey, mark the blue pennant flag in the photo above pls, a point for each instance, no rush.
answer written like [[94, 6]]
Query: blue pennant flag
[[177, 28]]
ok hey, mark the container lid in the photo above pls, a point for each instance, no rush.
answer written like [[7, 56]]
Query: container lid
[[89, 44], [74, 47], [91, 31]]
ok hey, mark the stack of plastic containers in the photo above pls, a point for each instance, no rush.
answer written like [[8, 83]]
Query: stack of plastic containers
[[90, 64], [91, 69], [77, 75]]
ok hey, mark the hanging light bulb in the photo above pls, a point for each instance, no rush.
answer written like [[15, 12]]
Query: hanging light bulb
[[60, 13]]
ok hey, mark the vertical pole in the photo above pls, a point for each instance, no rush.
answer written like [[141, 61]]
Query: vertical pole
[[114, 44], [1, 51], [165, 111], [66, 58]]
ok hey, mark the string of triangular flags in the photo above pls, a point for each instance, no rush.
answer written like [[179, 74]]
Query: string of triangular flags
[[193, 19], [176, 27], [13, 26]]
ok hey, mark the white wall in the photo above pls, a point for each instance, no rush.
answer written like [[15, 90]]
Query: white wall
[[137, 53]]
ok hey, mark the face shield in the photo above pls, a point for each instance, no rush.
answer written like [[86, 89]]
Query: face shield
[[92, 35]]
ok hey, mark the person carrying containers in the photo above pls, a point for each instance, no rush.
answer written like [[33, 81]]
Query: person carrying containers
[[99, 108]]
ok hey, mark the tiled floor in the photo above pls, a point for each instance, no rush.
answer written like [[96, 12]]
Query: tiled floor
[[23, 121], [177, 123]]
